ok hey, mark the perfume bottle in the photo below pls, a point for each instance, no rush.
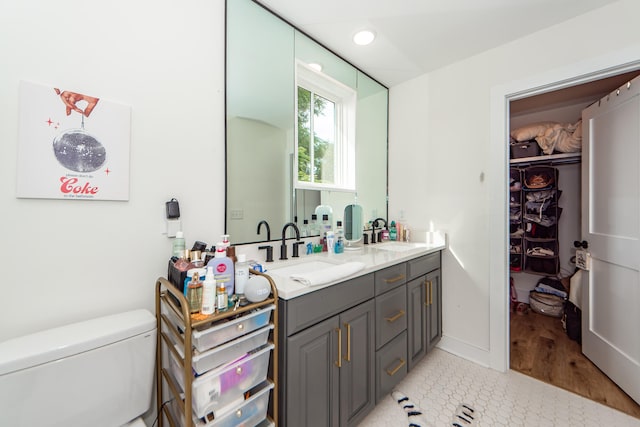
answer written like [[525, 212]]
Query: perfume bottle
[[194, 293]]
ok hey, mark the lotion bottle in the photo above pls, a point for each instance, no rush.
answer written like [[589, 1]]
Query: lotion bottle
[[209, 293], [223, 268]]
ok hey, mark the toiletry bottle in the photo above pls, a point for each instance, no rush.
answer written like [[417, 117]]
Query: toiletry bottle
[[393, 231], [209, 293], [222, 298], [194, 292], [241, 275], [313, 228], [339, 245], [304, 231], [178, 244], [331, 241], [326, 225], [183, 263], [223, 268]]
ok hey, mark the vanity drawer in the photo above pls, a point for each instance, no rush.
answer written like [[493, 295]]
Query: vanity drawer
[[391, 315], [390, 278], [314, 307], [423, 265], [391, 366]]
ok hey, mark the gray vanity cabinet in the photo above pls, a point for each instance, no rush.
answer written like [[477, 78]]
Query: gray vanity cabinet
[[328, 367], [434, 309], [345, 347], [424, 302], [391, 328]]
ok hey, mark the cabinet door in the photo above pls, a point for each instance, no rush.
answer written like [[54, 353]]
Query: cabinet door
[[434, 309], [313, 376], [417, 303], [357, 388]]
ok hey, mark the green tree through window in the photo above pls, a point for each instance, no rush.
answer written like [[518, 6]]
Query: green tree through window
[[315, 153]]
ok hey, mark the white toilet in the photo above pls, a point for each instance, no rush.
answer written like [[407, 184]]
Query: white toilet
[[89, 374]]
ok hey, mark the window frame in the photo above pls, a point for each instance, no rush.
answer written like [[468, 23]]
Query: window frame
[[345, 100]]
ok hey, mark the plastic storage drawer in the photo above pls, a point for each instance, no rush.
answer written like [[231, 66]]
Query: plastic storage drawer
[[220, 387], [251, 412], [202, 362], [223, 332]]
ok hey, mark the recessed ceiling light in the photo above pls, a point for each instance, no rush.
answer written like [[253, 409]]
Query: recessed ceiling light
[[364, 37], [315, 66]]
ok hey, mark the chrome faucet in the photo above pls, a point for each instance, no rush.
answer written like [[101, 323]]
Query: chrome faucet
[[373, 229], [266, 224], [283, 246]]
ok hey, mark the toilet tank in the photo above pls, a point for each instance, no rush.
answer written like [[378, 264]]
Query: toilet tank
[[94, 373]]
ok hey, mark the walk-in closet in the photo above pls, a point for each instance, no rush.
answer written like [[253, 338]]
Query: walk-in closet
[[545, 230]]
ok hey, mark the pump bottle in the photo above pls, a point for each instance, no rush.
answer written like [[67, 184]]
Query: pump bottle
[[223, 268]]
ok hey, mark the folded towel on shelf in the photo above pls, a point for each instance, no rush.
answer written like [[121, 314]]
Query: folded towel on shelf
[[328, 275]]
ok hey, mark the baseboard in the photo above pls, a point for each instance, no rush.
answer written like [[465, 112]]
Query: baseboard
[[465, 350]]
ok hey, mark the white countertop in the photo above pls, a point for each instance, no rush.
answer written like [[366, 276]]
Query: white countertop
[[373, 256]]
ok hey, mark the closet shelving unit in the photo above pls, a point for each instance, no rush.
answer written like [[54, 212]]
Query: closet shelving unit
[[534, 215], [516, 227], [177, 359]]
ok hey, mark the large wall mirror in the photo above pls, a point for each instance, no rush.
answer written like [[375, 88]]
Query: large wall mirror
[[261, 92]]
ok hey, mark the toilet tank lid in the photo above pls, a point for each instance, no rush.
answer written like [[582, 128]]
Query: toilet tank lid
[[57, 343]]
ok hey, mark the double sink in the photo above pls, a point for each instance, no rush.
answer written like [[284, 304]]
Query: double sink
[[307, 266]]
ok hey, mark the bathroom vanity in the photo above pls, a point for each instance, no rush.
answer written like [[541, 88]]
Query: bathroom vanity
[[344, 345]]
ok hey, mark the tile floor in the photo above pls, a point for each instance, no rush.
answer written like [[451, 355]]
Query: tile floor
[[442, 381]]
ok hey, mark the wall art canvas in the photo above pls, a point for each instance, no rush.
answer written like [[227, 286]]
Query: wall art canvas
[[72, 145]]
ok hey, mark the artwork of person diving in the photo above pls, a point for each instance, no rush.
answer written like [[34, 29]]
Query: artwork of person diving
[[72, 145]]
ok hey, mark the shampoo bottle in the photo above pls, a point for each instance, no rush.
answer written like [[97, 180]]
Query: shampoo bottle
[[209, 293], [223, 268]]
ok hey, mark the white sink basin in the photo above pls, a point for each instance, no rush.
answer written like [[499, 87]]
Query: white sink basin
[[301, 268], [398, 246]]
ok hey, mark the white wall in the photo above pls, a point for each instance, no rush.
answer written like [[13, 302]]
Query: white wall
[[65, 261], [449, 119]]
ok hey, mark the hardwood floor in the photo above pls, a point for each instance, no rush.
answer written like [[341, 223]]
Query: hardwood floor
[[540, 348]]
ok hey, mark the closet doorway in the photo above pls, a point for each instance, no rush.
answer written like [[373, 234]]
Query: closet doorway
[[539, 346]]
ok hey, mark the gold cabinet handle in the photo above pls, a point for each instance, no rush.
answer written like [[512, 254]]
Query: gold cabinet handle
[[339, 361], [348, 326], [396, 317], [394, 279], [430, 292], [392, 372]]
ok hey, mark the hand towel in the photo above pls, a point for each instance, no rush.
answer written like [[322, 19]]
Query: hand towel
[[328, 275]]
